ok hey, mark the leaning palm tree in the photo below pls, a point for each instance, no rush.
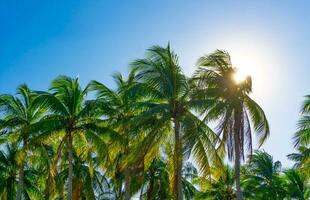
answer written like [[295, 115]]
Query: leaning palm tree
[[70, 121], [169, 107], [230, 105], [19, 113]]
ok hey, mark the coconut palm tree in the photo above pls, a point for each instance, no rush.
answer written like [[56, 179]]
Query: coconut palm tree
[[87, 179], [10, 157], [118, 107], [169, 103], [19, 114], [221, 186], [72, 122], [230, 105], [296, 185], [44, 159], [302, 159], [302, 136], [156, 181], [261, 178]]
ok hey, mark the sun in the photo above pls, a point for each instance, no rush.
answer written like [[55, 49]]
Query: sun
[[239, 76]]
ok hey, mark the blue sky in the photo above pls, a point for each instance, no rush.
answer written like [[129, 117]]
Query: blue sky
[[269, 40]]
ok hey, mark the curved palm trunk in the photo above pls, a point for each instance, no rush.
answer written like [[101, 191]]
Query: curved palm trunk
[[237, 127], [20, 183], [177, 179], [70, 157]]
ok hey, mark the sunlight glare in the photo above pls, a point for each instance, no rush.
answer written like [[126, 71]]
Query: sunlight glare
[[239, 76]]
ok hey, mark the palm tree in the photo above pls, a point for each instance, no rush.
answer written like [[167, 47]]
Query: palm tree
[[118, 108], [302, 136], [87, 179], [221, 186], [261, 178], [296, 185], [19, 113], [9, 167], [170, 111], [302, 159], [44, 159], [231, 105], [71, 121], [156, 181]]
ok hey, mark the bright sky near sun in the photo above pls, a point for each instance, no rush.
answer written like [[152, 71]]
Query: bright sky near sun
[[268, 40]]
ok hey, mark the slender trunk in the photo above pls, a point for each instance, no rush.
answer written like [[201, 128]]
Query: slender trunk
[[47, 188], [127, 183], [70, 149], [177, 182], [237, 127], [127, 172], [20, 182], [237, 173]]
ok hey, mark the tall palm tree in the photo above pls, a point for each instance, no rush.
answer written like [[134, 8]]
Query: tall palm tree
[[261, 178], [71, 121], [19, 113], [118, 107], [231, 105], [170, 105]]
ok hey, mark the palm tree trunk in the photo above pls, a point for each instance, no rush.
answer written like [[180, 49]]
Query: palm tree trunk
[[127, 173], [47, 188], [20, 182], [177, 182], [127, 183], [237, 127], [70, 157], [237, 172]]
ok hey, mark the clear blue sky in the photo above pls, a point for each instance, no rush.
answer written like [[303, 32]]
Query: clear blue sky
[[268, 39]]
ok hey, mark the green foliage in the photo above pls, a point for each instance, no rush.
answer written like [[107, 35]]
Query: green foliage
[[148, 137], [261, 178]]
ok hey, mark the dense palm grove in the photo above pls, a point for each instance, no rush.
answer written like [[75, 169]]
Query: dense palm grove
[[147, 138]]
